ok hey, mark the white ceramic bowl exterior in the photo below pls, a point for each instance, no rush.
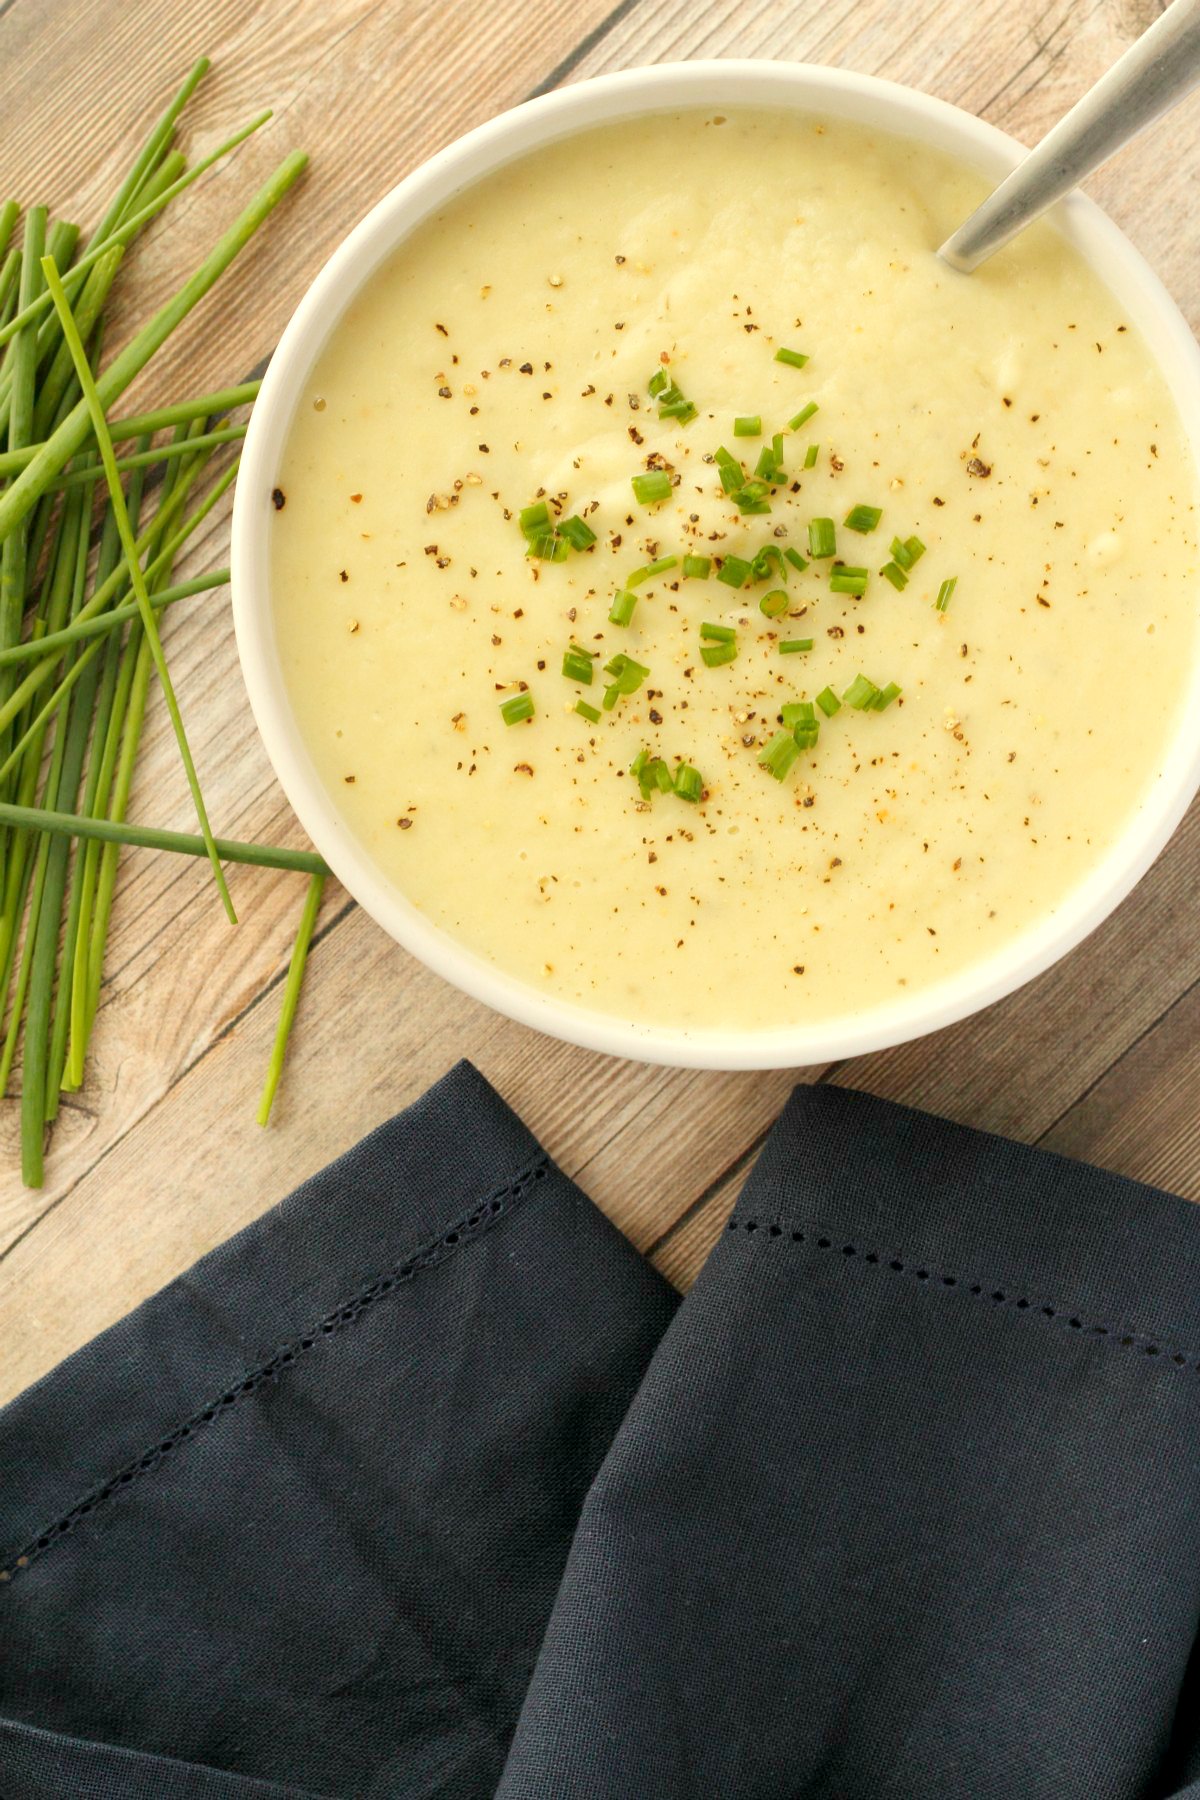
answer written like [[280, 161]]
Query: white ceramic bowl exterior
[[807, 89]]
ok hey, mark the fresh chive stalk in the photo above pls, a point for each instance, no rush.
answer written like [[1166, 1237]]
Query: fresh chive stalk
[[291, 995]]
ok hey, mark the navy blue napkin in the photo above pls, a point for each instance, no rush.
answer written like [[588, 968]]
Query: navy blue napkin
[[422, 1486]]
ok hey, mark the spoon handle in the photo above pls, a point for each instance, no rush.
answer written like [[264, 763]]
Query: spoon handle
[[1151, 77]]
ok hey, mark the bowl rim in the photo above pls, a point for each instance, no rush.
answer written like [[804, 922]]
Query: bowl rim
[[807, 88]]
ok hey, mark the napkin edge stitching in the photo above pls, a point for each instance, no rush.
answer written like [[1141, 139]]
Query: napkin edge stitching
[[467, 1229], [1150, 1343]]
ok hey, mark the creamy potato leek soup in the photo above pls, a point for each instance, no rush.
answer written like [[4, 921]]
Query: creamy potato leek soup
[[711, 608]]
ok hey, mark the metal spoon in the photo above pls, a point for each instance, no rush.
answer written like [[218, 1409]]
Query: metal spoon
[[1152, 76]]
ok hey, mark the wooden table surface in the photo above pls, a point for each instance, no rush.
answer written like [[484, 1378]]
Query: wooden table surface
[[159, 1157]]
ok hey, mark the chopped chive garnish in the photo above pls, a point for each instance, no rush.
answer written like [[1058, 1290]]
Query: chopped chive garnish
[[697, 567], [689, 784], [730, 469], [760, 567], [766, 465], [822, 537], [750, 508], [650, 570], [735, 571], [885, 697], [944, 592], [779, 755], [577, 666], [775, 603], [671, 401], [621, 610], [845, 580], [794, 646], [612, 694], [810, 456], [803, 416], [716, 654], [518, 708], [794, 557], [863, 518], [650, 488], [719, 634], [658, 381], [828, 702], [748, 425], [577, 532], [683, 410], [627, 675], [907, 551], [662, 776], [861, 693], [754, 489], [534, 519], [795, 359], [590, 713], [807, 735], [548, 546], [895, 574], [797, 712]]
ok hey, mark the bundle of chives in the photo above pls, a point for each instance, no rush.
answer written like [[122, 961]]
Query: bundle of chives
[[80, 651]]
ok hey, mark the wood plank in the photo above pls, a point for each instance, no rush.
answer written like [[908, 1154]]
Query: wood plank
[[189, 1006], [1141, 1117]]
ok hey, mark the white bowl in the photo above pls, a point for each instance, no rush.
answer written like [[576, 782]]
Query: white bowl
[[808, 89]]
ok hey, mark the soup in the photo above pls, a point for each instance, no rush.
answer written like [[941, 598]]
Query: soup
[[706, 605]]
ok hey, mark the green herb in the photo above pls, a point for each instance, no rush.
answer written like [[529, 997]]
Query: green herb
[[519, 708], [291, 995], [627, 674], [621, 610], [535, 518], [650, 570], [689, 784], [803, 416], [863, 518], [716, 654], [795, 359], [861, 693], [735, 571], [828, 702], [94, 404], [697, 567], [18, 500], [795, 646], [907, 551], [797, 712], [944, 593], [822, 538], [810, 456], [895, 574], [778, 756], [650, 488], [719, 634], [748, 425], [671, 402], [775, 603], [886, 695], [797, 561], [590, 713], [843, 579], [770, 556], [577, 666], [577, 532]]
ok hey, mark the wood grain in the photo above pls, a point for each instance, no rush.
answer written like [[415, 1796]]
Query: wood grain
[[159, 1158]]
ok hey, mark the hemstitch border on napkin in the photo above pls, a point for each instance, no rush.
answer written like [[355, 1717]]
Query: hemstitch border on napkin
[[463, 1231], [818, 1237]]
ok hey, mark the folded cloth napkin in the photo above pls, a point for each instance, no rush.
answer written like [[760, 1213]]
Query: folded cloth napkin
[[422, 1486]]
